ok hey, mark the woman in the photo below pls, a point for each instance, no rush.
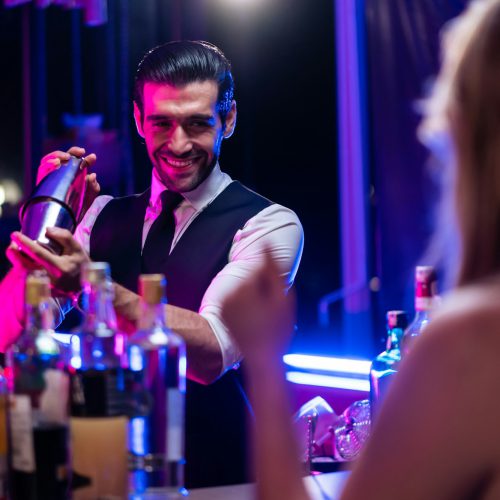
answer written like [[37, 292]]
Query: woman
[[438, 435]]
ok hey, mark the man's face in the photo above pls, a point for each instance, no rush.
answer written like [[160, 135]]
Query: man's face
[[183, 131]]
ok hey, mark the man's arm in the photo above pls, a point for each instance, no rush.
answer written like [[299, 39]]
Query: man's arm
[[274, 232], [203, 350]]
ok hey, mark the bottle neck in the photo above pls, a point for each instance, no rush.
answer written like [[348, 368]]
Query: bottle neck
[[421, 315], [394, 337], [99, 313], [152, 317], [36, 342], [423, 303], [39, 318]]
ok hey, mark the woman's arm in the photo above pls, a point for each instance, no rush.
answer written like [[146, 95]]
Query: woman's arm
[[261, 317]]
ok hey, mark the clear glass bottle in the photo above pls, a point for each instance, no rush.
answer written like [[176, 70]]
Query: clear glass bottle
[[38, 403], [425, 293], [98, 419], [157, 387], [98, 342], [385, 365]]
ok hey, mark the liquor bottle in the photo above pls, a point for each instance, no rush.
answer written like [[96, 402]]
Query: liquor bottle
[[425, 293], [385, 365], [98, 420], [157, 360], [38, 403]]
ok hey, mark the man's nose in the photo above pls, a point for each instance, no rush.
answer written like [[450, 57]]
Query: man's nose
[[179, 142]]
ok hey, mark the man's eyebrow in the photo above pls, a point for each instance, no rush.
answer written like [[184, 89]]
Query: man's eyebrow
[[201, 116], [151, 118], [196, 116]]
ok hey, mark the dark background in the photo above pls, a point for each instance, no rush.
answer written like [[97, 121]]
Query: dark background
[[285, 144]]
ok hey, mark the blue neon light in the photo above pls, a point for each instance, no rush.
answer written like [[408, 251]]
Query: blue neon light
[[328, 364], [317, 380]]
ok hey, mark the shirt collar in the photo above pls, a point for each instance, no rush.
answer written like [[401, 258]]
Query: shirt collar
[[199, 197]]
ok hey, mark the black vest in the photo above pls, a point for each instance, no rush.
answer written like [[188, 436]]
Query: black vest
[[216, 451]]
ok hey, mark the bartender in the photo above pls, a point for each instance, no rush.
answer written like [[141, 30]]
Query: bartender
[[206, 232]]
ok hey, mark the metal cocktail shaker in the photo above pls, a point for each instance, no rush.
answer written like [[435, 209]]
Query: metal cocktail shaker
[[56, 202]]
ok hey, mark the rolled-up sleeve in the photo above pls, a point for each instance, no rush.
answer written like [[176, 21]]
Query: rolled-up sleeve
[[275, 230]]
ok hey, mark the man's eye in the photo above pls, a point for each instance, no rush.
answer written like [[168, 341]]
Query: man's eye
[[200, 124], [161, 124]]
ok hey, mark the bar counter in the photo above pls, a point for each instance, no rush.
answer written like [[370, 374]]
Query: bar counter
[[320, 487]]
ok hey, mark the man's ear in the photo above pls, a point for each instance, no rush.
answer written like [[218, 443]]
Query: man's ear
[[138, 120], [230, 121]]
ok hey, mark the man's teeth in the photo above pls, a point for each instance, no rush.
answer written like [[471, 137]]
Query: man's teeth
[[179, 163]]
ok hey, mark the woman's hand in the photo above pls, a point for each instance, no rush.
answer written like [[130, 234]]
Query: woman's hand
[[260, 314]]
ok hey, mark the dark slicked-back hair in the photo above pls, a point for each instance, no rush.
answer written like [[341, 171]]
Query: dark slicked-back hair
[[182, 62]]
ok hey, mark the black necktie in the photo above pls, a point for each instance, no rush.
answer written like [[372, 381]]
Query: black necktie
[[159, 239]]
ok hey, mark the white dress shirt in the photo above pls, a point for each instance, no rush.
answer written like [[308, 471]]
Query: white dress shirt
[[275, 229]]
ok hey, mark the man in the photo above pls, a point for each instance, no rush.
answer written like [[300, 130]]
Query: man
[[183, 108]]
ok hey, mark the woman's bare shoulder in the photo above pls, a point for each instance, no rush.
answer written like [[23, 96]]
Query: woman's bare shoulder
[[469, 310], [466, 332]]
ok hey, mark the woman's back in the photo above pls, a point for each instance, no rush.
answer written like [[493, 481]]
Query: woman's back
[[438, 435]]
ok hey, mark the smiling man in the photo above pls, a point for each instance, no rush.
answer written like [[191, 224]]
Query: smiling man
[[184, 108], [183, 131]]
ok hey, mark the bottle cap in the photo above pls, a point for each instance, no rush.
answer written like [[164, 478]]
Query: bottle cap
[[425, 287], [397, 319], [425, 274], [37, 288], [152, 288], [95, 272]]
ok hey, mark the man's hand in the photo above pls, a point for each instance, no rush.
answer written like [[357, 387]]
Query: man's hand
[[259, 314], [54, 160], [63, 270]]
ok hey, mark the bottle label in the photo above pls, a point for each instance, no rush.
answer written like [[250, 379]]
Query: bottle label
[[21, 424], [99, 448], [175, 412], [423, 303], [97, 393], [54, 399]]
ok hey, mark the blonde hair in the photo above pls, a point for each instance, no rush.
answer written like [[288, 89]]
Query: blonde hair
[[465, 106]]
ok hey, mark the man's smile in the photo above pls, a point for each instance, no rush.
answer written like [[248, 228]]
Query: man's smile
[[178, 163]]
